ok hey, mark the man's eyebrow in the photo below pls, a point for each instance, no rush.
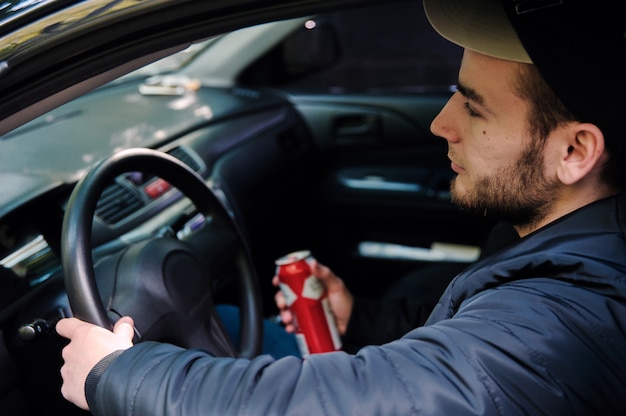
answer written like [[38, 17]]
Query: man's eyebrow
[[470, 93]]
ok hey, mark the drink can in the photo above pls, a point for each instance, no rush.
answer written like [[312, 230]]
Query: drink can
[[307, 300]]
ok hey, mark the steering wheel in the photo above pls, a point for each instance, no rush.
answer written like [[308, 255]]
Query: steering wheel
[[164, 283]]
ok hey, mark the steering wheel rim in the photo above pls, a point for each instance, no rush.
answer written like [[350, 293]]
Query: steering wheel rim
[[76, 236]]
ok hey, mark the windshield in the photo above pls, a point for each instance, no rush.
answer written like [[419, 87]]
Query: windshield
[[170, 63], [35, 149]]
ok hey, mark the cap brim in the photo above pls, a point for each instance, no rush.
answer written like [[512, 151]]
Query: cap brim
[[478, 25]]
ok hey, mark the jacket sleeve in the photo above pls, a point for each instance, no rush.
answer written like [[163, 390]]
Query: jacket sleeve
[[475, 363]]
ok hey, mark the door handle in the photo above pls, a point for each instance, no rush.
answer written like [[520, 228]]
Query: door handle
[[357, 125]]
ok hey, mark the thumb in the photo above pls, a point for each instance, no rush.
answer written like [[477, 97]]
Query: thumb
[[324, 274], [125, 327]]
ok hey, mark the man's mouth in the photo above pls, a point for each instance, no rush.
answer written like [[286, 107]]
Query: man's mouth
[[454, 166]]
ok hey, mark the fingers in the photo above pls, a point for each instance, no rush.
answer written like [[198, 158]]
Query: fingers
[[320, 271], [287, 318], [285, 314], [326, 276], [66, 327], [281, 302]]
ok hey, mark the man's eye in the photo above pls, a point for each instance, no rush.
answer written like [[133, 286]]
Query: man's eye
[[470, 110]]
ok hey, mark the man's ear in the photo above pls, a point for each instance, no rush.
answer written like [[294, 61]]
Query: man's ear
[[581, 150]]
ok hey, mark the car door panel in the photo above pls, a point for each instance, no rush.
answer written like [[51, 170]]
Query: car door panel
[[365, 118]]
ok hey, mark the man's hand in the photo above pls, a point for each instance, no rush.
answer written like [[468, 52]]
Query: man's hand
[[339, 297], [88, 344]]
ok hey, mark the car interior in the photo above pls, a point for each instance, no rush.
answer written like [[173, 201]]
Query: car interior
[[312, 133]]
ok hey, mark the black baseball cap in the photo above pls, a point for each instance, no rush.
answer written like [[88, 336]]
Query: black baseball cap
[[579, 47]]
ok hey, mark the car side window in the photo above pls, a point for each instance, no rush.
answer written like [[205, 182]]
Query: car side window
[[384, 48]]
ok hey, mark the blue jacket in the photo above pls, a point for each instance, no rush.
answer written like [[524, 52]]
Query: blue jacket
[[537, 328]]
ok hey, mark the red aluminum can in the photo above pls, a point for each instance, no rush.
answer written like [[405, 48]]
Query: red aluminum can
[[307, 300]]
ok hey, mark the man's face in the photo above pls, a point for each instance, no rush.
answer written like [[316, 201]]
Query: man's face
[[500, 168]]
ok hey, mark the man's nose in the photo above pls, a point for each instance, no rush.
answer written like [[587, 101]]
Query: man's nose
[[442, 125]]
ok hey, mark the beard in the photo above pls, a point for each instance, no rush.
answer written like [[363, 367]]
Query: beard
[[519, 194]]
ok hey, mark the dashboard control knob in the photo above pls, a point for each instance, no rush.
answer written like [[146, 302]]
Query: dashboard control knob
[[33, 330], [38, 328]]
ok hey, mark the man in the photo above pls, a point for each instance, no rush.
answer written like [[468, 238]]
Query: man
[[537, 328]]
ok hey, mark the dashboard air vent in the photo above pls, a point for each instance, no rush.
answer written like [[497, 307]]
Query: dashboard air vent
[[182, 155], [117, 203]]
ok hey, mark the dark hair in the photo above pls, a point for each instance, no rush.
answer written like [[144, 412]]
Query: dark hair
[[547, 112]]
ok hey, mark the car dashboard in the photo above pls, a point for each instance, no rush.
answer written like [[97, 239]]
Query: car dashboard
[[210, 134]]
